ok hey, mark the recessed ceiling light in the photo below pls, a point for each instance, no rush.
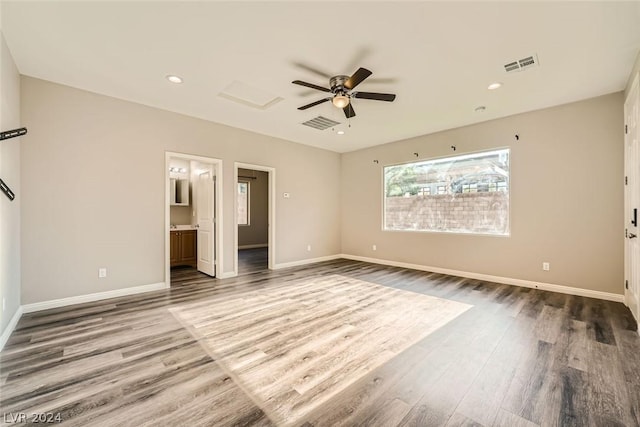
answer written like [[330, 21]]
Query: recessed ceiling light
[[340, 132], [480, 109], [174, 79], [494, 86]]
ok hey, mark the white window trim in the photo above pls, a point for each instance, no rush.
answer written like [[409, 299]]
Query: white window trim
[[240, 181]]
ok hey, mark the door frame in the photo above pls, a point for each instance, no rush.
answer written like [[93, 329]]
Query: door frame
[[217, 170], [635, 91], [271, 172]]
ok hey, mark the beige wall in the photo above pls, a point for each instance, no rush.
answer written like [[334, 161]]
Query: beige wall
[[566, 198], [105, 158], [92, 160], [257, 232], [181, 215], [634, 71], [10, 174], [636, 67]]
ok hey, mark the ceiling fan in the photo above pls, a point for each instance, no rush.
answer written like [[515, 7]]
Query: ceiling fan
[[342, 92]]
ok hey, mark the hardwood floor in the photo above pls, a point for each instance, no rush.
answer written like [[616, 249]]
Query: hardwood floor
[[293, 347], [249, 261], [253, 260], [517, 357]]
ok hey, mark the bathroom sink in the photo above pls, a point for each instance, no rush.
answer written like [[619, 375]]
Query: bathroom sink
[[182, 227]]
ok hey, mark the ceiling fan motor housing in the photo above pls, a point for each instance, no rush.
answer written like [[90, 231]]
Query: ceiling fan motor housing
[[337, 83]]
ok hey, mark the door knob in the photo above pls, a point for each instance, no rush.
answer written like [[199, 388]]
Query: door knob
[[632, 236]]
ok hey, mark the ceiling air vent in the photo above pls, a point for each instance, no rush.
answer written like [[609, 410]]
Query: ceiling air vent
[[521, 64], [320, 123]]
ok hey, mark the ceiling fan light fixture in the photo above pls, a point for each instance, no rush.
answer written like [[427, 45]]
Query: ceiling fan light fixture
[[340, 101]]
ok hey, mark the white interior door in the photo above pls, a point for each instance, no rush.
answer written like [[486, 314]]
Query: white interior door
[[205, 208], [632, 200]]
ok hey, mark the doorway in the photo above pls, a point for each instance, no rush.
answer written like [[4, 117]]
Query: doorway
[[193, 202], [254, 218], [632, 199]]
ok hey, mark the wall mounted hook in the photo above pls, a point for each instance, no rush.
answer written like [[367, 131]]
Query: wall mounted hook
[[6, 190], [12, 133], [7, 135]]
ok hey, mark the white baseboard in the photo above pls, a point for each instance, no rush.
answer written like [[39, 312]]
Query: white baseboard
[[62, 302], [227, 275], [631, 305], [504, 280], [259, 245], [30, 308], [10, 327], [306, 261]]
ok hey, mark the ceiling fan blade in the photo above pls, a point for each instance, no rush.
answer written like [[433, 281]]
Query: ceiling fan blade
[[359, 56], [382, 80], [348, 111], [321, 73], [376, 96], [357, 78], [313, 104], [311, 85]]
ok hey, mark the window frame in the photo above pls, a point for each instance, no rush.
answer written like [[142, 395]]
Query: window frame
[[248, 203], [383, 203]]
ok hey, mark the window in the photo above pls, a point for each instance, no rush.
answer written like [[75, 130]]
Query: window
[[243, 203], [460, 194]]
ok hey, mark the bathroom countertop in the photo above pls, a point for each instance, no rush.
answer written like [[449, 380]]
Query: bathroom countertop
[[182, 227]]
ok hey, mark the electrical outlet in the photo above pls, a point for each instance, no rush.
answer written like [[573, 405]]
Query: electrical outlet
[[309, 248], [102, 273], [374, 247], [545, 266], [286, 195]]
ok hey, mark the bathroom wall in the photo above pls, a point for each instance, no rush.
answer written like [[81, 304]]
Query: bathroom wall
[[257, 232]]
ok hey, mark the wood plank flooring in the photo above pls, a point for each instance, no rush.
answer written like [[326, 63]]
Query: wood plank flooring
[[249, 261], [252, 260], [294, 347], [517, 357]]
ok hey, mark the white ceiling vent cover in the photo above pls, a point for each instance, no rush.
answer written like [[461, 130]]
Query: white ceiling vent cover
[[320, 123], [521, 64]]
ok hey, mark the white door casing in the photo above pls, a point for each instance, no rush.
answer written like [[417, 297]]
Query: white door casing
[[271, 173], [205, 193], [632, 200]]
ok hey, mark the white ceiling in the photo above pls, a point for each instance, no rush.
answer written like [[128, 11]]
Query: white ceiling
[[438, 57]]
